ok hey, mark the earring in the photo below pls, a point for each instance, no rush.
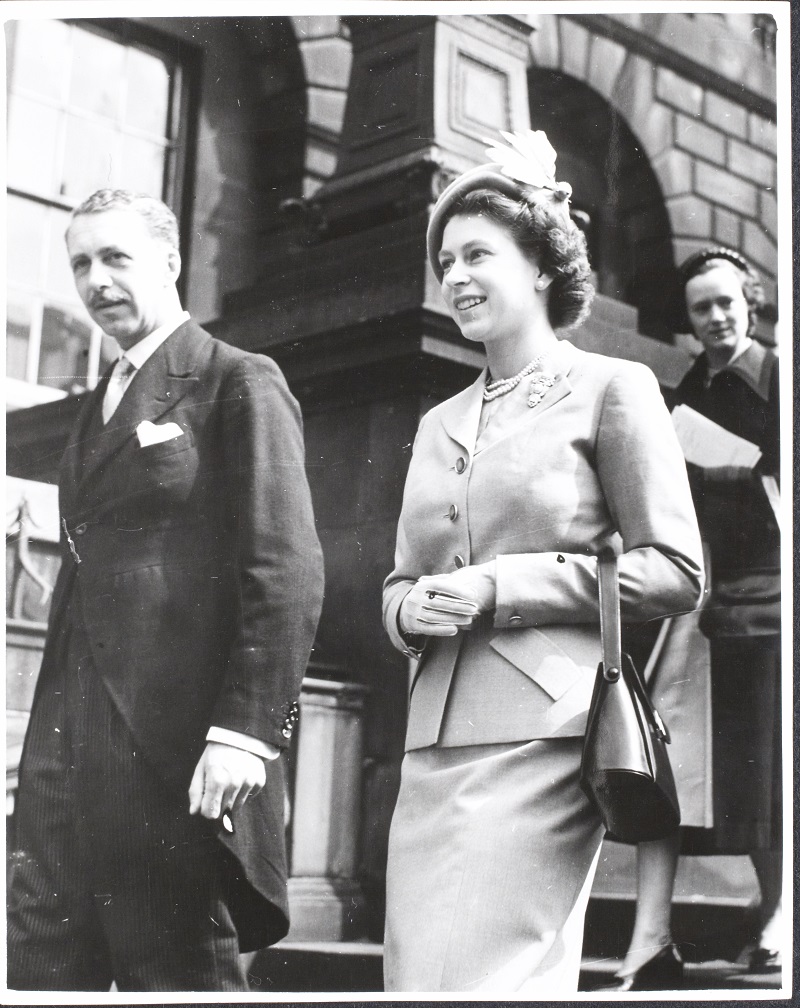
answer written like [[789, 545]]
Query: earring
[[540, 285]]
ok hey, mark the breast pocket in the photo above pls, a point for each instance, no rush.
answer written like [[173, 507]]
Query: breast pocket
[[165, 472]]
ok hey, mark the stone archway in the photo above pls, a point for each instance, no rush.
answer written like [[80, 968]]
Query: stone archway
[[326, 54], [628, 229]]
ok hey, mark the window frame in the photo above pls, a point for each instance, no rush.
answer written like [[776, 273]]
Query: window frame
[[183, 65]]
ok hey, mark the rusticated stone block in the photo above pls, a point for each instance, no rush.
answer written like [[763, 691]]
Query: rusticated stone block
[[684, 247], [768, 212], [327, 61], [633, 94], [692, 134], [725, 115], [727, 228], [679, 92], [574, 48], [720, 186], [751, 164], [656, 129], [316, 26], [674, 170], [604, 64], [763, 133], [546, 40], [326, 107], [690, 216], [758, 246]]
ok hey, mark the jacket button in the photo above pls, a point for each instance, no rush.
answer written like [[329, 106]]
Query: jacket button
[[459, 560], [452, 513], [81, 528], [514, 619], [461, 465]]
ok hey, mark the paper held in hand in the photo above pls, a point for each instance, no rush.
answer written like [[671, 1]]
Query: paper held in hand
[[706, 444]]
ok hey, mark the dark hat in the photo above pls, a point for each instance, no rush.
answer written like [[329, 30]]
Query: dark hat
[[690, 267]]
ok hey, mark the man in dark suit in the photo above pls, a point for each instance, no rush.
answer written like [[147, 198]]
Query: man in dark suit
[[149, 823]]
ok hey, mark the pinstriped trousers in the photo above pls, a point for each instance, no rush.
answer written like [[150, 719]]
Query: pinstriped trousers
[[111, 879]]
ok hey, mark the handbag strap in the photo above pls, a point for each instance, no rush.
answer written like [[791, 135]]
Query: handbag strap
[[611, 639], [610, 629]]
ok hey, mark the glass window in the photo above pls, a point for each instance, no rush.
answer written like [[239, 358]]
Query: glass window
[[18, 328], [64, 350], [86, 110]]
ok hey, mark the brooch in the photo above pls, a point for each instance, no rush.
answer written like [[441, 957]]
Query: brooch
[[540, 383]]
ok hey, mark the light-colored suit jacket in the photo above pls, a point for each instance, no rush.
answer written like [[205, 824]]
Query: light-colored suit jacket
[[595, 464]]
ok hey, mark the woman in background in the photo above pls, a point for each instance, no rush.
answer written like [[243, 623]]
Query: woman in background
[[734, 383], [514, 487]]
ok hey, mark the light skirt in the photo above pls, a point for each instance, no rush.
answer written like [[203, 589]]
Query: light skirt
[[678, 676], [492, 853]]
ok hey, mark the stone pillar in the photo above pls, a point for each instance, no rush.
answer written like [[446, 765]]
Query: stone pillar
[[325, 899]]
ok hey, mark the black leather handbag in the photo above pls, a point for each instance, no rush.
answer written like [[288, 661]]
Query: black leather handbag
[[625, 768]]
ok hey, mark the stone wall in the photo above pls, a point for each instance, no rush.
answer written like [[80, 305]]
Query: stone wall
[[699, 94]]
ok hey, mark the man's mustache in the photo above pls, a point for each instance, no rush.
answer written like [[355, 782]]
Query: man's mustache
[[104, 301]]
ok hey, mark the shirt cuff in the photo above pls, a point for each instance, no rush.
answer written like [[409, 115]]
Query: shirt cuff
[[241, 741]]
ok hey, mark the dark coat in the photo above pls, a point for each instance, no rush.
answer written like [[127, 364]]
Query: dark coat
[[735, 515], [200, 576]]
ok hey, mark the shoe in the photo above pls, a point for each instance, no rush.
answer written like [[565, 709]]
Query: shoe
[[764, 960], [663, 972]]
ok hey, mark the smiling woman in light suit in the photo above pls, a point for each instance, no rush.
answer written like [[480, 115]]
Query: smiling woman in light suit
[[515, 485]]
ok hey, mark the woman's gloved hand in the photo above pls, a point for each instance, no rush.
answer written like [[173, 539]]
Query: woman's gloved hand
[[440, 605]]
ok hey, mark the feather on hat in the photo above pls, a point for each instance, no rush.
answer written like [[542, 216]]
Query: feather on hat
[[525, 170]]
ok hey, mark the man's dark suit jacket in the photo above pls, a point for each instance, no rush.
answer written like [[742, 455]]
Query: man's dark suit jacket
[[200, 576]]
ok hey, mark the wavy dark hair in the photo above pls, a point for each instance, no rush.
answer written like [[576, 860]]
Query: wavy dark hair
[[711, 258], [558, 247]]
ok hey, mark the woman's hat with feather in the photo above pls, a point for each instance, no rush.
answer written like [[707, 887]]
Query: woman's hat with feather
[[525, 170]]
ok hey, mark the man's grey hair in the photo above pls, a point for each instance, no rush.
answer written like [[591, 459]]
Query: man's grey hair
[[160, 220]]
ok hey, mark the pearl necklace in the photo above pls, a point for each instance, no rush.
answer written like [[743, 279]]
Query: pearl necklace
[[500, 387]]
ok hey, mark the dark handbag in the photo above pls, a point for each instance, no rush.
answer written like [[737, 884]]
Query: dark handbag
[[625, 768]]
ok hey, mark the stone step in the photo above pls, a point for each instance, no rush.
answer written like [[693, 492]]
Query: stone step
[[356, 967], [317, 966]]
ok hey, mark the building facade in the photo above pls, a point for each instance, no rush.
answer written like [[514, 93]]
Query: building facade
[[302, 155]]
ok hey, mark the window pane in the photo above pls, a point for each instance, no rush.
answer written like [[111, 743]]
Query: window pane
[[109, 351], [39, 62], [64, 351], [25, 224], [58, 275], [147, 101], [142, 166], [32, 139], [18, 327], [91, 159], [97, 69]]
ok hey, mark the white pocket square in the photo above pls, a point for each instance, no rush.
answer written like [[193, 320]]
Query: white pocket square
[[150, 433]]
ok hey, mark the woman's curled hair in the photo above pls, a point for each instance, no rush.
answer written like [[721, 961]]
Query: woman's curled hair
[[540, 231]]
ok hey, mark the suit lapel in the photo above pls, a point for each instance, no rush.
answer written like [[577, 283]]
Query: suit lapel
[[82, 437], [460, 417], [461, 414], [157, 388]]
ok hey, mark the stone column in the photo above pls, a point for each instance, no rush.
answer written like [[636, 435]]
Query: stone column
[[325, 899]]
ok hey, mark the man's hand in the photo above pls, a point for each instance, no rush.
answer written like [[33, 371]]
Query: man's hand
[[224, 779]]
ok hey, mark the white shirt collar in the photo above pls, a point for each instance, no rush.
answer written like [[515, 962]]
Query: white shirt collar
[[140, 352]]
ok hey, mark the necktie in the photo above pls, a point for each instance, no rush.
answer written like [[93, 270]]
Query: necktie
[[117, 383]]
